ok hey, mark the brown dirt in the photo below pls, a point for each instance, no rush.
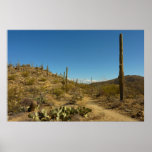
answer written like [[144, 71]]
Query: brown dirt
[[98, 113]]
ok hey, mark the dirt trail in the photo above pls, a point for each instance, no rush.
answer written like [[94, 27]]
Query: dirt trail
[[101, 114], [98, 113], [19, 117]]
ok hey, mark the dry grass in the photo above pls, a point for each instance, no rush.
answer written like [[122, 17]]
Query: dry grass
[[49, 91], [130, 107]]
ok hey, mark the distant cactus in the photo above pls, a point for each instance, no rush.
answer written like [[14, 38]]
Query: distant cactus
[[37, 69], [41, 67], [121, 70], [18, 66], [91, 80], [47, 70], [66, 79], [64, 75]]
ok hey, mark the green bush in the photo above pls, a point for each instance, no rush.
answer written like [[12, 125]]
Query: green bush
[[76, 97], [41, 99], [55, 81], [12, 77], [109, 90], [42, 79], [14, 98], [57, 92], [25, 74], [30, 81]]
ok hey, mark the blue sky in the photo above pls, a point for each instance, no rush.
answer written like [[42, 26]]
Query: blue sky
[[87, 53]]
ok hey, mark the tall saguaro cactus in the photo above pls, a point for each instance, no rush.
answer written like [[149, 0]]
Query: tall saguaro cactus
[[66, 78], [121, 70]]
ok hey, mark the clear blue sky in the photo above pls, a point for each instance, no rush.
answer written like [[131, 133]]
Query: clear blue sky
[[87, 53]]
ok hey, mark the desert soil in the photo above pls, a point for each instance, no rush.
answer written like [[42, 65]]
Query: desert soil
[[98, 113]]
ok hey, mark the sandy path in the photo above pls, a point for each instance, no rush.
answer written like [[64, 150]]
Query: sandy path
[[99, 113], [19, 117]]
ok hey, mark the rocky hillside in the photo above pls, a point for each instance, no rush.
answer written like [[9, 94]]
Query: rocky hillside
[[30, 87], [134, 85], [36, 94]]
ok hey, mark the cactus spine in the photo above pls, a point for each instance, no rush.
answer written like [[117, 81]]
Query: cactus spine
[[66, 79], [121, 70]]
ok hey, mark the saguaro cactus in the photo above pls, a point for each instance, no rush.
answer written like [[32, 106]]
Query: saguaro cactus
[[66, 78], [64, 75], [41, 67], [47, 70], [121, 70], [18, 66]]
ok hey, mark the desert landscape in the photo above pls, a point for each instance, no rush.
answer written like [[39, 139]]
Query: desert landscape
[[35, 93]]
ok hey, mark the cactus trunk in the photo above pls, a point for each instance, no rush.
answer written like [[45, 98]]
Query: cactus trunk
[[91, 80], [121, 70], [47, 70], [66, 80], [64, 75]]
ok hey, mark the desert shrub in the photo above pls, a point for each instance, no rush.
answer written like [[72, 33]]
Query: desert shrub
[[10, 65], [63, 82], [33, 89], [14, 107], [113, 105], [42, 79], [57, 92], [109, 90], [76, 97], [55, 81], [138, 115], [14, 93], [28, 105], [25, 74], [30, 81], [12, 77], [69, 87], [83, 86], [41, 99], [14, 98]]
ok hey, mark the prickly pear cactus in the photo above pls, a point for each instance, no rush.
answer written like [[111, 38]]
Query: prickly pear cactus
[[62, 113]]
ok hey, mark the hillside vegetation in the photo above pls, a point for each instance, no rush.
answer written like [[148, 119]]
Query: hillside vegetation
[[36, 94]]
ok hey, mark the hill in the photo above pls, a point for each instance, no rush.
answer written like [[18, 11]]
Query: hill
[[36, 94], [134, 84]]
